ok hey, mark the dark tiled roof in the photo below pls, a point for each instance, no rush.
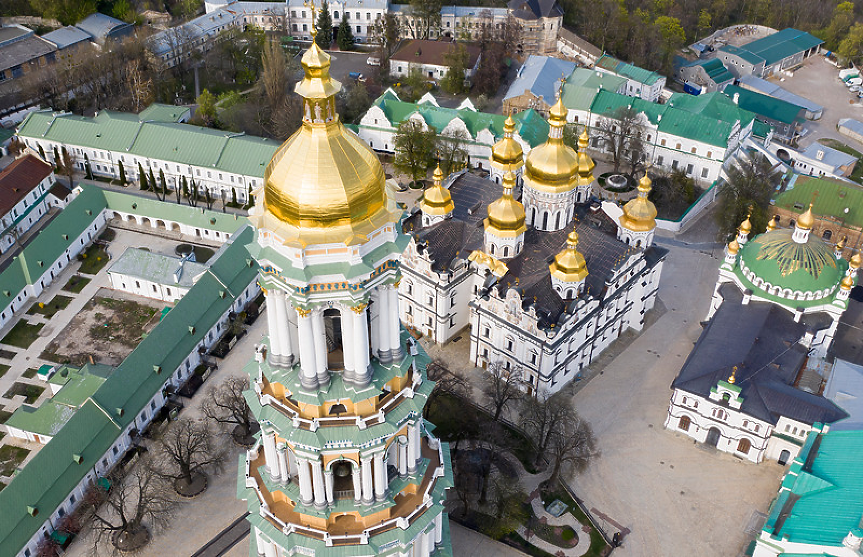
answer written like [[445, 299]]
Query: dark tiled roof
[[19, 178], [421, 51], [761, 339], [535, 9], [60, 191], [848, 342]]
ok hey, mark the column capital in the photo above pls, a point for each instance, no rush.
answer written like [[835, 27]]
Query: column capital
[[302, 312], [359, 308]]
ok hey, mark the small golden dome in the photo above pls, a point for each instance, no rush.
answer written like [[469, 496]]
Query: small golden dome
[[437, 199], [552, 167], [807, 219], [585, 163], [847, 282], [639, 214], [733, 246], [840, 245], [746, 226], [324, 184], [569, 265], [508, 152], [771, 224], [855, 261], [506, 215]]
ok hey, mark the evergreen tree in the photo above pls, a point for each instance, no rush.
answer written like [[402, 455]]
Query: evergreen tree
[[233, 197], [122, 173], [324, 26], [346, 36], [87, 167], [163, 187], [42, 153], [57, 161], [250, 199], [142, 178], [185, 188], [152, 183]]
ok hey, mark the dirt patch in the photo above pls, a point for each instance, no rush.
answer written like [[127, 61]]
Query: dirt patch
[[108, 328]]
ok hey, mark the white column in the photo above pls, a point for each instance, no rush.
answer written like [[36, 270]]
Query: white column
[[347, 320], [358, 483], [368, 496], [305, 481], [383, 325], [394, 323], [270, 550], [272, 327], [403, 455], [375, 320], [260, 542], [380, 477], [318, 481], [292, 464], [361, 345], [328, 483], [320, 334], [285, 330], [438, 528], [283, 462], [413, 447], [270, 455], [309, 376]]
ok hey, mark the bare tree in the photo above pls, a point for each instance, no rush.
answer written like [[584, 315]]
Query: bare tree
[[185, 452], [507, 503], [452, 150], [502, 386], [140, 86], [542, 418], [68, 165], [572, 446], [225, 404], [118, 515], [621, 135], [446, 381]]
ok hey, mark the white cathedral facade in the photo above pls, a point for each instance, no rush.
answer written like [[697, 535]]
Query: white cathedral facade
[[544, 283]]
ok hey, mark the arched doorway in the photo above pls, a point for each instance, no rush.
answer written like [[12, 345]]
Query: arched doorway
[[335, 349], [343, 480], [713, 436], [784, 456]]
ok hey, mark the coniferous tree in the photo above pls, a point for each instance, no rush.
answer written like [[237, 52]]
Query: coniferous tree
[[142, 177], [152, 183], [324, 26], [346, 36], [122, 173]]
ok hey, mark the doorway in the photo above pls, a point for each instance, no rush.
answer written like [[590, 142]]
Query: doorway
[[335, 348], [713, 436], [343, 480], [784, 456]]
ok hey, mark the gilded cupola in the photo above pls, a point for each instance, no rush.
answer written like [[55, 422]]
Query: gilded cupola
[[807, 219], [507, 153], [585, 163], [639, 214], [506, 215], [553, 166], [437, 201], [324, 184], [569, 265]]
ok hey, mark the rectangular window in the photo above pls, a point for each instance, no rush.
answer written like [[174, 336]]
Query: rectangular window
[[689, 169], [674, 164], [704, 173], [662, 143], [359, 29]]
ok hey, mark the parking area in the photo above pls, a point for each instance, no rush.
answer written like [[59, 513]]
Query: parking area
[[819, 81]]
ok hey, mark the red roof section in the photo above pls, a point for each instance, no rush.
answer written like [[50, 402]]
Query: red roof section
[[422, 51], [20, 178]]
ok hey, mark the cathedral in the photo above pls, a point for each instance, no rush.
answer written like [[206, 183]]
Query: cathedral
[[752, 385], [344, 464], [544, 277]]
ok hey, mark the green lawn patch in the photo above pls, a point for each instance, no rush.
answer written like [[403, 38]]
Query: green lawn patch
[[22, 334], [3, 369], [93, 260], [10, 458], [29, 392], [76, 284], [4, 415], [59, 302], [598, 547], [30, 373]]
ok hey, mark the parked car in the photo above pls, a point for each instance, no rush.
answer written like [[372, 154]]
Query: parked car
[[855, 88]]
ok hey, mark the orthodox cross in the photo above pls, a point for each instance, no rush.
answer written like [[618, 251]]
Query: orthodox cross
[[310, 4]]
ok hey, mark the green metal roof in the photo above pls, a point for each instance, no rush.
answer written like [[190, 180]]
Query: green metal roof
[[782, 44], [179, 212], [715, 69], [839, 200], [627, 70], [183, 144], [607, 102], [156, 267], [82, 384], [46, 419], [584, 77], [157, 112], [765, 106], [826, 480], [528, 124], [746, 55]]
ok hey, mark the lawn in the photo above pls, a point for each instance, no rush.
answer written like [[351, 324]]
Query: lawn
[[598, 547], [76, 284], [857, 175], [59, 302], [30, 392], [3, 369], [22, 334], [10, 458], [30, 373], [93, 260]]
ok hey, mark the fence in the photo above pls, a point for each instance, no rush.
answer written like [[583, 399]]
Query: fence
[[703, 201]]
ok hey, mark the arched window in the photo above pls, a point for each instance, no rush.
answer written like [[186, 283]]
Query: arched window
[[492, 249], [743, 446], [827, 235], [684, 423], [726, 398], [506, 251]]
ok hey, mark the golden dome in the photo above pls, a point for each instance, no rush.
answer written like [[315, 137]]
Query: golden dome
[[733, 246], [552, 167], [506, 215], [437, 199], [585, 163], [855, 261], [847, 282], [771, 224], [324, 184], [807, 219], [746, 226], [639, 214], [508, 152], [569, 265]]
